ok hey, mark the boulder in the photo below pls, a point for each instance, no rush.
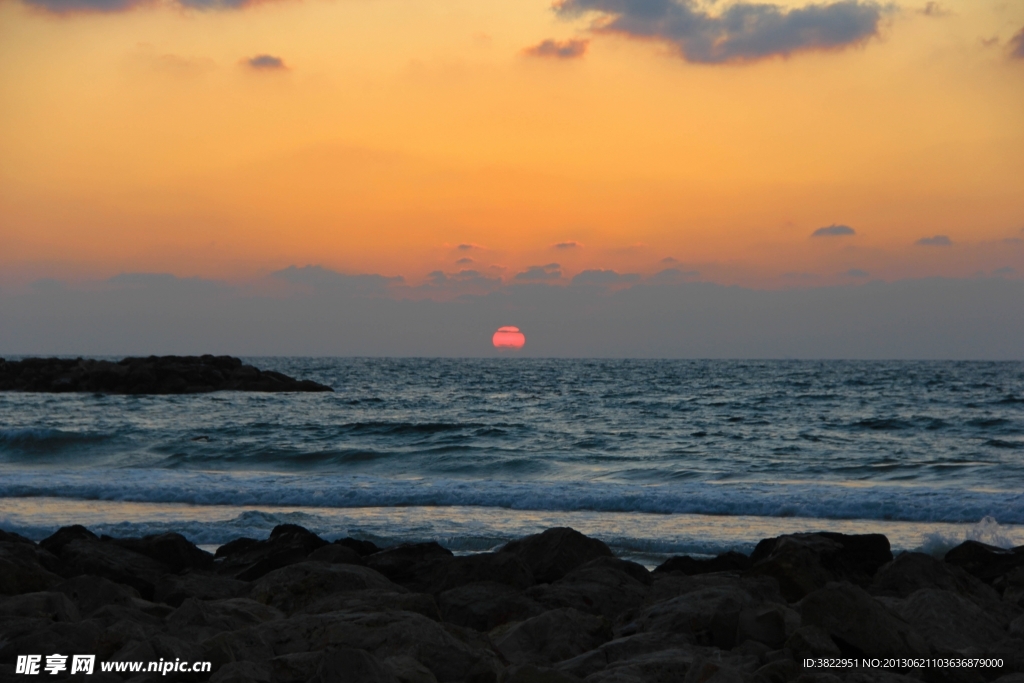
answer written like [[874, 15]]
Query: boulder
[[171, 549], [779, 671], [385, 633], [663, 666], [111, 561], [408, 563], [287, 544], [20, 636], [446, 573], [1012, 585], [352, 665], [708, 615], [90, 593], [174, 589], [725, 562], [802, 563], [605, 586], [25, 567], [373, 600], [486, 605], [200, 619], [55, 542], [336, 554], [951, 624], [242, 672], [554, 553], [987, 562], [294, 668], [296, 586], [54, 606], [408, 670], [530, 673], [812, 642], [624, 649], [768, 624], [364, 548], [551, 637], [859, 625]]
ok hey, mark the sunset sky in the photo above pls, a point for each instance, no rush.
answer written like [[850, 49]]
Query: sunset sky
[[514, 139]]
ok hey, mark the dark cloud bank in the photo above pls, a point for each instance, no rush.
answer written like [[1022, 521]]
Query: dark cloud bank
[[741, 32], [314, 311]]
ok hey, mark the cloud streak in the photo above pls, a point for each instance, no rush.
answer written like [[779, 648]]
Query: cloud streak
[[834, 231], [266, 63], [1017, 45], [936, 241], [558, 49], [740, 33]]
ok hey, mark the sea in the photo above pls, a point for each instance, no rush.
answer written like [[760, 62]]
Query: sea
[[655, 457]]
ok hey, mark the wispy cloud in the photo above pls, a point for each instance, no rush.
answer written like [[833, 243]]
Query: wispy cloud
[[741, 32], [551, 271], [266, 63], [936, 241], [1017, 45], [857, 272], [468, 246], [834, 231], [567, 245], [464, 261], [604, 277], [934, 9], [558, 49]]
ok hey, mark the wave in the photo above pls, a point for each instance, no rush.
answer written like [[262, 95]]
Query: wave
[[40, 440], [806, 500]]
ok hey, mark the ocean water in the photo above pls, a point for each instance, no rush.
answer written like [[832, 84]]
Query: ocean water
[[655, 457]]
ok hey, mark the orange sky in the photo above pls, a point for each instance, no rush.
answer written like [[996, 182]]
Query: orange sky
[[396, 130]]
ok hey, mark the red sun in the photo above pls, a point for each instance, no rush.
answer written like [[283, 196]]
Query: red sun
[[508, 337]]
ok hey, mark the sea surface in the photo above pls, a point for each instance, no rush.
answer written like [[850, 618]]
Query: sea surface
[[655, 457]]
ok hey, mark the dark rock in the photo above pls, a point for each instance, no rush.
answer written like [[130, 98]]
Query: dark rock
[[802, 563], [987, 562], [336, 554], [239, 545], [171, 549], [405, 563], [20, 636], [55, 542], [445, 573], [626, 649], [351, 665], [486, 605], [201, 619], [551, 637], [375, 600], [530, 673], [781, 671], [26, 568], [174, 589], [605, 586], [766, 624], [408, 670], [242, 672], [812, 642], [90, 593], [725, 562], [54, 606], [364, 548], [287, 544], [294, 668], [859, 625], [554, 553], [11, 537], [113, 562], [152, 375], [297, 586], [951, 624]]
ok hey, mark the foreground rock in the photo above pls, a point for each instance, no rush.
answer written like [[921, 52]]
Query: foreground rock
[[151, 375], [555, 607]]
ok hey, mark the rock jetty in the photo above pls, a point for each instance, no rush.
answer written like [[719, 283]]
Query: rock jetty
[[150, 375], [555, 607]]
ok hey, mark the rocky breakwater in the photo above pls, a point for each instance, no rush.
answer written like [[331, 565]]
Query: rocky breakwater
[[150, 375], [555, 607]]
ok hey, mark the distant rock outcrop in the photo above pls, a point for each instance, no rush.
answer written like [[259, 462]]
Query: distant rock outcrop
[[152, 375]]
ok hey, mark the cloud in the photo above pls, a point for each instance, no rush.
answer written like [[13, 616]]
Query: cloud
[[936, 241], [567, 245], [834, 230], [551, 271], [318, 278], [1017, 45], [74, 6], [604, 277], [558, 49], [266, 63], [464, 261], [466, 246], [857, 272], [1013, 240], [741, 33], [673, 275], [1005, 270], [934, 9]]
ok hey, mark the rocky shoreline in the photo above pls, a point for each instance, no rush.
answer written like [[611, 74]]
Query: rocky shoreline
[[555, 607], [149, 375]]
